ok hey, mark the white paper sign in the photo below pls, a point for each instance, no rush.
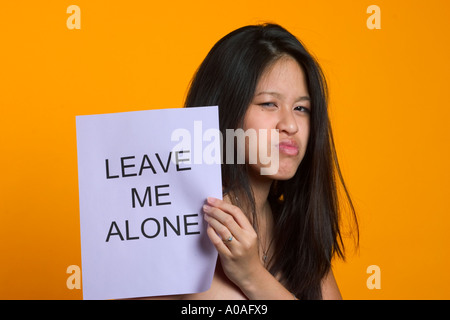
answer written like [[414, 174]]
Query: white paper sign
[[141, 194]]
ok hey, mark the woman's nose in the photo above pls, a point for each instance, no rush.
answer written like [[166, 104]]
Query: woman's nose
[[287, 122]]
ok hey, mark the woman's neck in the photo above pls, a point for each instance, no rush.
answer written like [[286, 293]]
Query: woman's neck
[[261, 187]]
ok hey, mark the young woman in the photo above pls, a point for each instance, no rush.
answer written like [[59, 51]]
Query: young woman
[[275, 234]]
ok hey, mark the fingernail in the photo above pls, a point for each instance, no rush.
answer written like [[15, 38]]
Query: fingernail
[[211, 200], [206, 208]]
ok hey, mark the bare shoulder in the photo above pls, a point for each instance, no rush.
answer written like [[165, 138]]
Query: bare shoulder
[[330, 289]]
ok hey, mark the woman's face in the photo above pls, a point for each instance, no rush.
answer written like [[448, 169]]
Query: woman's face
[[281, 102]]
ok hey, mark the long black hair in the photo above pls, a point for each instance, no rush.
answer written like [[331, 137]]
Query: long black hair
[[306, 209]]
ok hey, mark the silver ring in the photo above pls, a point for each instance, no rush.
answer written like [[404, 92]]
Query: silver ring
[[230, 238]]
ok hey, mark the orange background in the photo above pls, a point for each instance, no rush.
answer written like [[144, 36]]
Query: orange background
[[389, 107]]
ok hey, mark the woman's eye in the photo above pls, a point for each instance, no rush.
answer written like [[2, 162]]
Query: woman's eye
[[302, 109], [268, 104]]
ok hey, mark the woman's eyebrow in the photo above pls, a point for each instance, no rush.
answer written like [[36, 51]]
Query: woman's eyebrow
[[303, 98], [272, 93], [278, 95]]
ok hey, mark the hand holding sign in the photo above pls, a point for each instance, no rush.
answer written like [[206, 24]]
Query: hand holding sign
[[234, 238], [140, 204]]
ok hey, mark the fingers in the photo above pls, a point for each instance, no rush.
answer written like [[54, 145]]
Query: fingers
[[224, 223], [228, 227], [221, 230], [234, 238], [217, 241], [238, 216]]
